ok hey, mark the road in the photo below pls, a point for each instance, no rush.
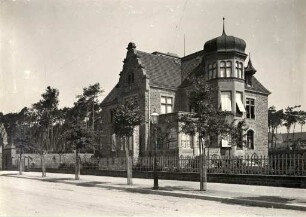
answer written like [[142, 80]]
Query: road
[[26, 197]]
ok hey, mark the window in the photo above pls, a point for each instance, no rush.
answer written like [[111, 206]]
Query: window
[[212, 71], [166, 104], [250, 108], [222, 69], [131, 100], [239, 103], [112, 114], [239, 70], [225, 69], [131, 78], [250, 139], [226, 101], [228, 69]]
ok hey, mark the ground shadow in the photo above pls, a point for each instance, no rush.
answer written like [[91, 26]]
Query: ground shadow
[[269, 199], [10, 174], [55, 179], [91, 184], [176, 188]]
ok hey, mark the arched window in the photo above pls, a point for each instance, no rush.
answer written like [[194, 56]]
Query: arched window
[[250, 139]]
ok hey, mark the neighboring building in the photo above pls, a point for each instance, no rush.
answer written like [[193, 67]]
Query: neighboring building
[[6, 150], [284, 142], [158, 81]]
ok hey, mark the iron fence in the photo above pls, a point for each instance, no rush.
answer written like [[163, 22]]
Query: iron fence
[[282, 164]]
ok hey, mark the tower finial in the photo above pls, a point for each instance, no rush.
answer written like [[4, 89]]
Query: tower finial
[[223, 33]]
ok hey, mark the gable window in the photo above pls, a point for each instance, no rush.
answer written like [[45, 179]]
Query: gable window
[[131, 100], [250, 108], [239, 104], [112, 114], [166, 104], [131, 78], [239, 70], [226, 101], [225, 69], [250, 139]]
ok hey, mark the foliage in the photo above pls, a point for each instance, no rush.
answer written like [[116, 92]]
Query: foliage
[[290, 118], [237, 133], [126, 117], [78, 136], [208, 121], [275, 120]]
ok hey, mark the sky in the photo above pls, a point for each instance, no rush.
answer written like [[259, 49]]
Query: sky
[[71, 44]]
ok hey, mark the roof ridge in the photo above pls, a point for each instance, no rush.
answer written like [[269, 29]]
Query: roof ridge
[[189, 56]]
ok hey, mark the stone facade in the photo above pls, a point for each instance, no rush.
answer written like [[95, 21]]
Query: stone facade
[[158, 82]]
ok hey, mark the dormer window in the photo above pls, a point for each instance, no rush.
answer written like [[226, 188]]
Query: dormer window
[[225, 69]]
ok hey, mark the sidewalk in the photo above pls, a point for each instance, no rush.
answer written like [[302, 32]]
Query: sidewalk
[[261, 196]]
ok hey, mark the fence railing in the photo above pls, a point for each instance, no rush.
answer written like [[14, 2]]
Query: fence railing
[[285, 164]]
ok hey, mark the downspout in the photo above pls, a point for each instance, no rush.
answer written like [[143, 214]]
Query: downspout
[[149, 117]]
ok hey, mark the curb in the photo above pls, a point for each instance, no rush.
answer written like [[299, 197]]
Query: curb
[[227, 200]]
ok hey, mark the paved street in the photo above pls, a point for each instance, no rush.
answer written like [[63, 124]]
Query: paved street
[[29, 195]]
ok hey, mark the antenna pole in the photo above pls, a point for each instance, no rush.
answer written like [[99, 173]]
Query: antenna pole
[[184, 45]]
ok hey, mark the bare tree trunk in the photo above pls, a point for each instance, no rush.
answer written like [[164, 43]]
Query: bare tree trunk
[[293, 130], [128, 163], [43, 165], [77, 165], [20, 165], [203, 173]]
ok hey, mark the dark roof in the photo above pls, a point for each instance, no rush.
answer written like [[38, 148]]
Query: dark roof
[[225, 43], [163, 71], [250, 68], [257, 87], [111, 97], [190, 62]]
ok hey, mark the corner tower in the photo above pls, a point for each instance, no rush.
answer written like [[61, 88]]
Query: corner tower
[[224, 58]]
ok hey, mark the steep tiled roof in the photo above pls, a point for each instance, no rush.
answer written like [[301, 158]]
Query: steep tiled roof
[[190, 62], [257, 87], [164, 71], [110, 97]]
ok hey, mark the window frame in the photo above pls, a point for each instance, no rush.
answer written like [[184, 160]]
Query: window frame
[[231, 100], [212, 71], [166, 104], [239, 69], [227, 67], [252, 145], [248, 108]]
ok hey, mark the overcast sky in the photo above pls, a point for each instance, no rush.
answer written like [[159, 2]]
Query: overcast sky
[[71, 44]]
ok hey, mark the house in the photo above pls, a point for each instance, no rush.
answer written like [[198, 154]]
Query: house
[[158, 82]]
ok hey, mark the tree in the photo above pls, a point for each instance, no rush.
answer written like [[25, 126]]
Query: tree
[[126, 118], [275, 119], [207, 122], [88, 105], [79, 136], [290, 118], [44, 112], [302, 119], [237, 133]]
